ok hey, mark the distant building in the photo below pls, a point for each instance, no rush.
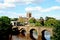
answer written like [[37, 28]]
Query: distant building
[[21, 20], [24, 19], [14, 23], [28, 15]]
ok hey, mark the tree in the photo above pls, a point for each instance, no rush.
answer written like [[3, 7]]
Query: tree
[[47, 18], [42, 21], [32, 20], [38, 23], [56, 31], [5, 28], [50, 22]]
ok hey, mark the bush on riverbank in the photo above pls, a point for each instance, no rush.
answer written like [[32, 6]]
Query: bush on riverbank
[[5, 28], [56, 31]]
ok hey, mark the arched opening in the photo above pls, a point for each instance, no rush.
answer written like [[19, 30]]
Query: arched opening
[[15, 31], [23, 31], [33, 34], [45, 35]]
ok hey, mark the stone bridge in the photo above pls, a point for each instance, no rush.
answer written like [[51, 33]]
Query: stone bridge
[[40, 30]]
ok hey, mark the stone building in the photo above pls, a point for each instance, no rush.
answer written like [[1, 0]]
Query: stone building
[[21, 20], [24, 19], [29, 15]]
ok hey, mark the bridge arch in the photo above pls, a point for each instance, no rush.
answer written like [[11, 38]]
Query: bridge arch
[[43, 33], [23, 31], [32, 33], [39, 30]]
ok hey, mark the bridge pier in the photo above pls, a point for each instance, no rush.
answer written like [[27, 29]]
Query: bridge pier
[[27, 36], [39, 37]]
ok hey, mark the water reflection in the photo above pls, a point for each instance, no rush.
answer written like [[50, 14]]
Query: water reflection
[[35, 34], [20, 37], [15, 38], [47, 35]]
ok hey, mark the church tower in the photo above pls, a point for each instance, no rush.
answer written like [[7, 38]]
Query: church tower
[[28, 15]]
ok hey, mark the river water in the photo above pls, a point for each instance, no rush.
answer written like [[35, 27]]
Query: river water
[[47, 35], [20, 37]]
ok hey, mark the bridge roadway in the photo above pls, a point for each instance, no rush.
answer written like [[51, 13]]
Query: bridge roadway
[[40, 31]]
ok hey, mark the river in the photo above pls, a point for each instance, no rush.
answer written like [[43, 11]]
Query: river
[[47, 35]]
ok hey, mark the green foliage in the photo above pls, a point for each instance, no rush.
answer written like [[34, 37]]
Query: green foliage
[[56, 27], [5, 27], [42, 21], [50, 22], [38, 24], [47, 18], [56, 31], [4, 22], [32, 20]]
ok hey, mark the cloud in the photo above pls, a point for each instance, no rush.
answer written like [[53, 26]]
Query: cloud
[[11, 14], [51, 9], [28, 1], [7, 4], [9, 1], [12, 3], [3, 6], [40, 9], [57, 0], [33, 8]]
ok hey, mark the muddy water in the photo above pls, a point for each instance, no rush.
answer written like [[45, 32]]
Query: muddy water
[[18, 37]]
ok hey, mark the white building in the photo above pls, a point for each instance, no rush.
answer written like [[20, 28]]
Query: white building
[[14, 23]]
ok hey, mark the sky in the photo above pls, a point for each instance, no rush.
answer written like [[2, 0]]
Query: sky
[[38, 8]]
